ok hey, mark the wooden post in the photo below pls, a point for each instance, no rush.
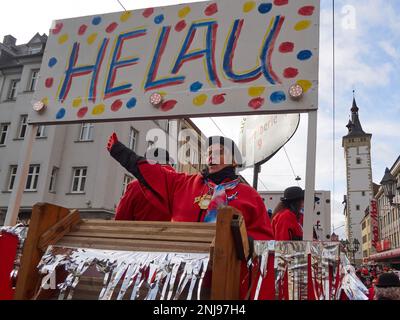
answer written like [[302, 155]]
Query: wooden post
[[22, 175], [44, 216], [310, 176], [226, 264]]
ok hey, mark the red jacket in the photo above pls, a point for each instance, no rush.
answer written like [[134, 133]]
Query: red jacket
[[178, 191], [135, 206], [286, 226]]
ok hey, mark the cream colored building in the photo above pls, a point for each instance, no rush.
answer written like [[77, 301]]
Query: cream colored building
[[366, 235]]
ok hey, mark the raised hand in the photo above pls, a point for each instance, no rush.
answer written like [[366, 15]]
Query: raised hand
[[111, 141]]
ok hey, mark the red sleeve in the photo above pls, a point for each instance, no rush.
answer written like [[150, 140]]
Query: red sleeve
[[163, 181], [124, 209], [281, 227], [258, 224]]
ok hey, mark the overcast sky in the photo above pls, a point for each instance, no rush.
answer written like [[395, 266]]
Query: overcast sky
[[367, 60]]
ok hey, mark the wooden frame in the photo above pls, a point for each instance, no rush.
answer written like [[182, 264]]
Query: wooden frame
[[50, 224]]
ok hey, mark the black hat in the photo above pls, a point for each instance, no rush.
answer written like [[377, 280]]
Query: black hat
[[388, 279], [295, 193], [227, 144]]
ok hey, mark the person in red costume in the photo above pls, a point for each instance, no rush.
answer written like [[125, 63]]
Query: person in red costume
[[287, 222], [196, 198], [134, 206]]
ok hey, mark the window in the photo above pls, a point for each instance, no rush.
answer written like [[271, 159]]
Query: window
[[12, 94], [33, 177], [3, 133], [127, 180], [53, 180], [41, 132], [133, 136], [363, 225], [357, 207], [78, 180], [33, 81], [364, 239], [86, 133], [11, 179], [358, 160], [22, 126], [363, 193]]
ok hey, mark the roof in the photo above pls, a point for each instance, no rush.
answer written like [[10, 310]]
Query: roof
[[10, 53], [354, 125]]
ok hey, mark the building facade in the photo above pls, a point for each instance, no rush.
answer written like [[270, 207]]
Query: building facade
[[366, 236], [357, 149], [70, 165], [389, 223], [321, 214]]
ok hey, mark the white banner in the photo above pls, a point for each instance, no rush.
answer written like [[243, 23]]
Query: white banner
[[226, 57]]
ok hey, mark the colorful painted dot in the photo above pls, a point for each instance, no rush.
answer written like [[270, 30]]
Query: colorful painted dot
[[158, 19], [180, 26], [200, 100], [219, 99], [82, 112], [57, 28], [249, 6], [62, 39], [99, 109], [49, 82], [125, 16], [196, 86], [256, 91], [131, 103], [168, 105], [286, 47], [52, 62], [92, 38], [183, 12], [302, 25], [111, 27], [96, 21], [116, 105], [45, 101], [290, 73], [304, 55], [278, 97], [306, 11], [76, 103], [281, 2], [82, 29], [264, 8], [60, 114], [148, 12], [256, 103], [211, 9], [305, 84]]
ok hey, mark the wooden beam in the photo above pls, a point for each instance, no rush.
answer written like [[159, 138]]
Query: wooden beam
[[226, 265], [59, 230], [240, 237], [43, 217]]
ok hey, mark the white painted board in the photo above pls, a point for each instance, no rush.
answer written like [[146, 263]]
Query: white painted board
[[262, 136], [226, 57]]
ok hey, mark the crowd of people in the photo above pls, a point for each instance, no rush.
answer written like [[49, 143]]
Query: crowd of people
[[382, 282]]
